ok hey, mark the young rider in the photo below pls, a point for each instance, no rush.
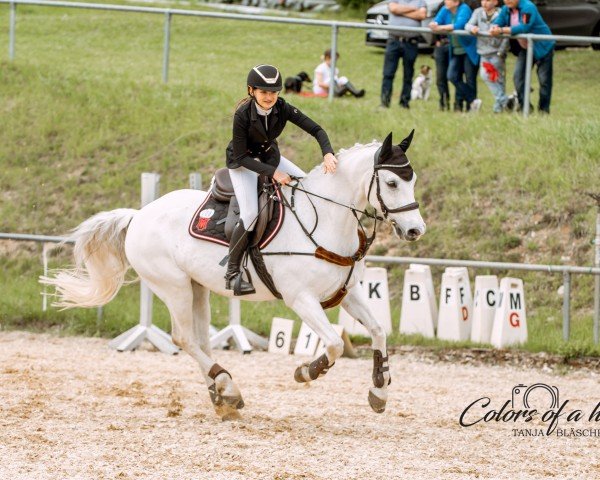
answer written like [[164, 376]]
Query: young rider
[[258, 121]]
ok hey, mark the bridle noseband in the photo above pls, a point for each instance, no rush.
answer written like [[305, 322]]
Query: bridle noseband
[[375, 179]]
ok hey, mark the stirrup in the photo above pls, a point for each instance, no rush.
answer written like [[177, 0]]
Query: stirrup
[[239, 285]]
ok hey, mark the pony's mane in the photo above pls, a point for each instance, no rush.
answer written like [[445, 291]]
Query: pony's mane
[[358, 146], [343, 152]]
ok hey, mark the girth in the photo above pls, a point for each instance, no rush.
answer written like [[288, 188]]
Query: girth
[[320, 253]]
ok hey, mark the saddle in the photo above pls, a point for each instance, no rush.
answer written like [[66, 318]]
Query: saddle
[[216, 217]]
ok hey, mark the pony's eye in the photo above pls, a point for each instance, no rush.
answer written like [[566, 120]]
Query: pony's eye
[[392, 184]]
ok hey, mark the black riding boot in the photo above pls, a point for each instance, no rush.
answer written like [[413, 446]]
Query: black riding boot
[[234, 279], [354, 91]]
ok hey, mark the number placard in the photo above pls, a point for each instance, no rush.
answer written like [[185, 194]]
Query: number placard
[[281, 335], [307, 341]]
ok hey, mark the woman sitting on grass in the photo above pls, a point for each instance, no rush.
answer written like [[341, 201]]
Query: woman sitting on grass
[[322, 81]]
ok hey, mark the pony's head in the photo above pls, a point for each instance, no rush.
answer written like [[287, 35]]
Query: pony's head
[[392, 186]]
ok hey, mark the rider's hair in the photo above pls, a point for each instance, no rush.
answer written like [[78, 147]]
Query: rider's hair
[[243, 102]]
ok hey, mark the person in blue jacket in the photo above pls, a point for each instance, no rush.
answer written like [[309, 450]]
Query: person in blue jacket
[[464, 59], [522, 16]]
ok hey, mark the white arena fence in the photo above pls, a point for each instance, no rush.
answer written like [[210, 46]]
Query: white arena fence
[[566, 271], [335, 26]]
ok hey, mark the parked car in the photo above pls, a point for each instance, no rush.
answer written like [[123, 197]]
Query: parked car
[[572, 17], [378, 14], [564, 17]]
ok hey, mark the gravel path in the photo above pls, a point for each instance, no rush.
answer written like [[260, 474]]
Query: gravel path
[[72, 408]]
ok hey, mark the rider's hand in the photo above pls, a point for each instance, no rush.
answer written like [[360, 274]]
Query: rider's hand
[[475, 30], [330, 163], [281, 177]]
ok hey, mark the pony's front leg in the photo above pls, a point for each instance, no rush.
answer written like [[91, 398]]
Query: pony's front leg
[[355, 303], [308, 307]]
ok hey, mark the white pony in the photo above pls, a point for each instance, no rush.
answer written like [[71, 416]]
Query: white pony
[[182, 271]]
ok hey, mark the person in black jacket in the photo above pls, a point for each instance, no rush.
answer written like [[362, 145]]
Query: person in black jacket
[[258, 121]]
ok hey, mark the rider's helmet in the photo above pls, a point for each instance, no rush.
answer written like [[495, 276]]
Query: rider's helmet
[[265, 77]]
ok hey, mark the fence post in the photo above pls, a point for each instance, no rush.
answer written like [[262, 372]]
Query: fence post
[[12, 31], [334, 35], [196, 181], [166, 47], [528, 68], [597, 278], [566, 305]]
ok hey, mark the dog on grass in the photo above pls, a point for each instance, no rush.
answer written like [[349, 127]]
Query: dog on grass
[[422, 84], [294, 84]]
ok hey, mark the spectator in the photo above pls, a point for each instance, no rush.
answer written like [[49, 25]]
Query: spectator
[[403, 13], [462, 68], [522, 16], [492, 52], [322, 81]]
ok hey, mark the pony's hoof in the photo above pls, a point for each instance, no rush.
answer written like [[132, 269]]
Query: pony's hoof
[[231, 416], [301, 375], [226, 397], [377, 399], [228, 408]]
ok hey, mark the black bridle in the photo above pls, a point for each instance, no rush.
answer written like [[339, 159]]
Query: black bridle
[[375, 179]]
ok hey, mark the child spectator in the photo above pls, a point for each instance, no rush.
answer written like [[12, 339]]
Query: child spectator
[[492, 51], [322, 81], [522, 16], [462, 69]]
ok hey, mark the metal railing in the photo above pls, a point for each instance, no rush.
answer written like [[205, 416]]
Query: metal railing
[[566, 271], [334, 25]]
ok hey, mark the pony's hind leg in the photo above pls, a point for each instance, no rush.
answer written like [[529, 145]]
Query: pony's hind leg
[[309, 309], [190, 316], [356, 305]]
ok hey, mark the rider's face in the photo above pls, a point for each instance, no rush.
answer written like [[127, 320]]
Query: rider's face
[[264, 98]]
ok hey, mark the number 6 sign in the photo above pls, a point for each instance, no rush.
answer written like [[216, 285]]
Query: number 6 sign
[[281, 335]]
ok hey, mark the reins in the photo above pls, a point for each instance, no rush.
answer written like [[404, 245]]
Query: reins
[[365, 241]]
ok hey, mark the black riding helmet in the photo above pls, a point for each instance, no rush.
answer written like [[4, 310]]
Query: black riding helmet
[[265, 77]]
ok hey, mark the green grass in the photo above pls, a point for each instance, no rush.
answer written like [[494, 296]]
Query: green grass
[[84, 112]]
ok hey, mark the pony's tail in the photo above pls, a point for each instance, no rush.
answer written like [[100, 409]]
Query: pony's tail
[[100, 262]]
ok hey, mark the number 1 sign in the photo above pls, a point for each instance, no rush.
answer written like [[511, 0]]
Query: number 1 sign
[[307, 341], [281, 335]]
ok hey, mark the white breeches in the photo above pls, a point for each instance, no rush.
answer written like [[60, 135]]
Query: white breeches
[[245, 185]]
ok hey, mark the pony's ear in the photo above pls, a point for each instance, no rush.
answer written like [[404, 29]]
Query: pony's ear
[[404, 144], [386, 148]]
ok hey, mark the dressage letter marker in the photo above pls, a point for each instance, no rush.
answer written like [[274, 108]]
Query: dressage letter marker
[[419, 310], [306, 344], [510, 321], [281, 335], [454, 322], [375, 286], [484, 308]]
